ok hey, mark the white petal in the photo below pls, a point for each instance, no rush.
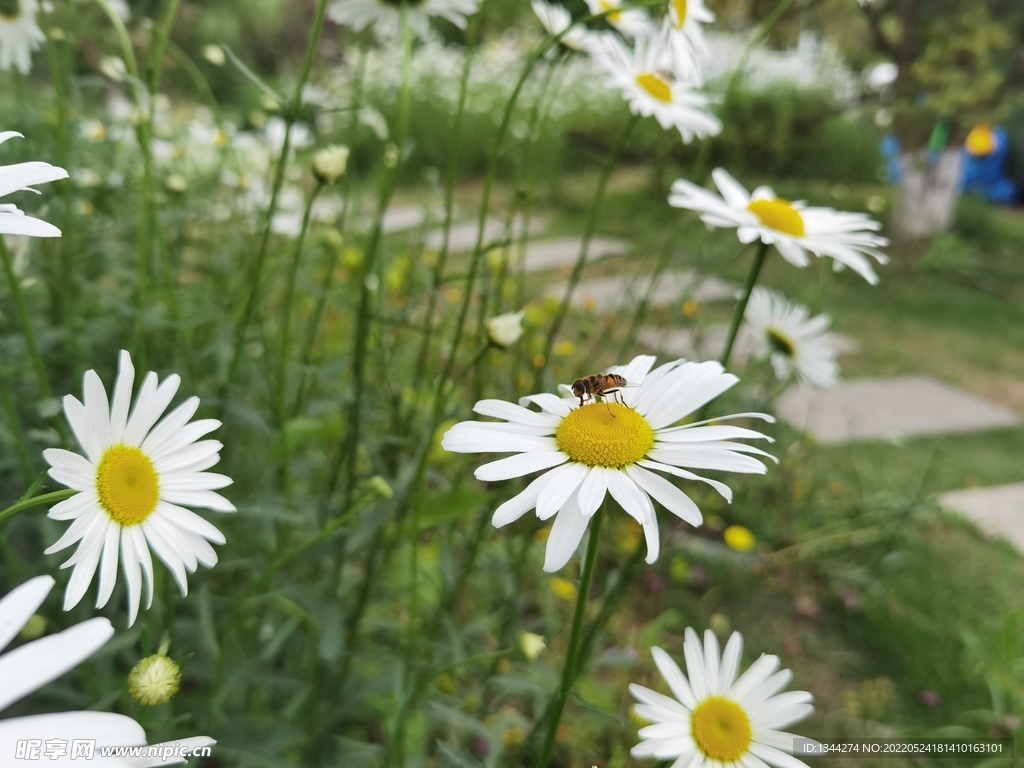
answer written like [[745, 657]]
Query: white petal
[[183, 437], [564, 482], [549, 403], [775, 757], [197, 453], [152, 401], [107, 730], [672, 709], [757, 673], [670, 497], [81, 424], [172, 482], [499, 409], [694, 654], [730, 662], [674, 677], [167, 554], [565, 536], [98, 408], [207, 499], [77, 530], [72, 470], [122, 397], [171, 424], [517, 466], [30, 667], [141, 548], [183, 744], [132, 574], [724, 490], [108, 566], [190, 521], [521, 503], [17, 607], [593, 490], [71, 508], [85, 560], [711, 662], [465, 439]]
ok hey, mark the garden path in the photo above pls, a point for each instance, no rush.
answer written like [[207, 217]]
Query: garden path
[[613, 292], [997, 511]]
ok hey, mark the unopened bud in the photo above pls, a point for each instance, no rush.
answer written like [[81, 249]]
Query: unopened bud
[[531, 645], [155, 680], [505, 330], [215, 55], [330, 164]]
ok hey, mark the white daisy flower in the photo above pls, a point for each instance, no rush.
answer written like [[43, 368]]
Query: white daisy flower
[[632, 22], [360, 14], [31, 666], [556, 19], [20, 35], [795, 343], [646, 78], [716, 719], [792, 227], [610, 447], [686, 36], [131, 481], [22, 177]]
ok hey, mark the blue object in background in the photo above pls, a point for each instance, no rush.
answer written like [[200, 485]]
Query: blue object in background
[[986, 174], [891, 150]]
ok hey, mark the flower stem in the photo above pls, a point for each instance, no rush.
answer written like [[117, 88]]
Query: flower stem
[[576, 635], [282, 353], [741, 306], [588, 234], [16, 427], [256, 273], [36, 501]]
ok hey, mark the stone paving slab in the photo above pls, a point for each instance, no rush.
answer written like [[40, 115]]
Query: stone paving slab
[[614, 292], [878, 409], [997, 511], [562, 252], [709, 343], [462, 236]]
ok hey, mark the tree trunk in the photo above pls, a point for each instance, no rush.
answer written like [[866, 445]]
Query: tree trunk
[[928, 193]]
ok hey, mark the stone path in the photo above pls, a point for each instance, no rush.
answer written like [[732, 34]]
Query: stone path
[[562, 252], [614, 292], [889, 408], [462, 236], [997, 511], [709, 343]]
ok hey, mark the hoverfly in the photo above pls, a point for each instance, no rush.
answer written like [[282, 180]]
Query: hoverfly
[[599, 385]]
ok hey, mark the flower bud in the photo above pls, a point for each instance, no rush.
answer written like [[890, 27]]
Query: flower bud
[[330, 164], [155, 680], [215, 55], [531, 645], [505, 330]]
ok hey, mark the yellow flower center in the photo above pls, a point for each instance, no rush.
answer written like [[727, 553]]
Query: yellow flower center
[[681, 8], [614, 18], [127, 484], [780, 343], [605, 435], [10, 10], [779, 215], [721, 729], [656, 85]]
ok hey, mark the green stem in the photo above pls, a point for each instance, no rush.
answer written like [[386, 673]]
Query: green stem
[[17, 429], [741, 307], [449, 205], [282, 352], [36, 501], [588, 233], [256, 273], [315, 320], [572, 655], [350, 449]]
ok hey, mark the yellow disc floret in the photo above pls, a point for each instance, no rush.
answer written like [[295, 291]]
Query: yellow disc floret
[[721, 729], [779, 215], [127, 484], [10, 10], [155, 680], [656, 86], [605, 435], [614, 18], [779, 342]]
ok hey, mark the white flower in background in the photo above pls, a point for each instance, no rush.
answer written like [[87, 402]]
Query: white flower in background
[[686, 36], [792, 227], [505, 330], [93, 130], [20, 35], [716, 719], [794, 342], [633, 22], [610, 447], [556, 19], [31, 666], [275, 129], [130, 482], [647, 82], [360, 14], [20, 177]]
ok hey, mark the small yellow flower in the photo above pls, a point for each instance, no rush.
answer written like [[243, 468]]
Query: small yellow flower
[[739, 538], [542, 534], [538, 361], [691, 308], [513, 737], [563, 588], [720, 624], [155, 680], [565, 348]]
